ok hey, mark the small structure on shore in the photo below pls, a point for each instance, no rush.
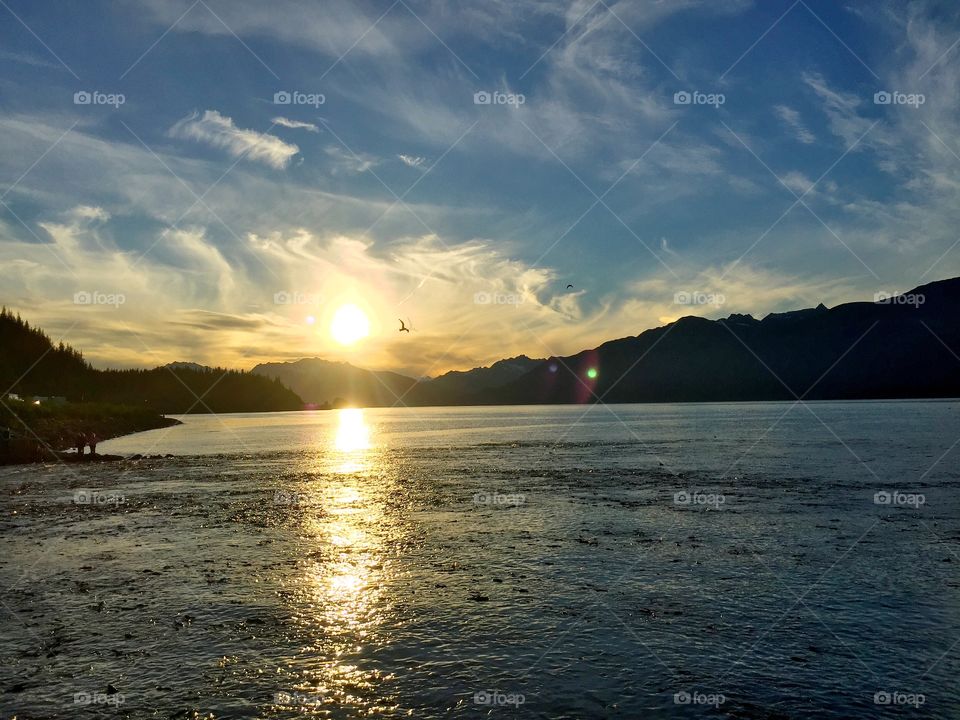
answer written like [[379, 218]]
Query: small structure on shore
[[49, 400]]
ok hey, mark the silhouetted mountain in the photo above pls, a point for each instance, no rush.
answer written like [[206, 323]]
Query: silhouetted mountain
[[180, 365], [453, 387], [184, 390], [31, 365], [338, 383], [906, 347]]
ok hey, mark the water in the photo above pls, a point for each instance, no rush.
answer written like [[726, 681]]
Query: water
[[558, 562]]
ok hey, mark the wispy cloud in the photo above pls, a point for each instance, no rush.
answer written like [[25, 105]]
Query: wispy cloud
[[221, 132], [791, 118], [27, 59], [295, 124], [414, 161], [841, 108], [345, 161], [598, 81]]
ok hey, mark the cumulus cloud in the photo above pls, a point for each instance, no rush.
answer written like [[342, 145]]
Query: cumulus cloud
[[220, 131]]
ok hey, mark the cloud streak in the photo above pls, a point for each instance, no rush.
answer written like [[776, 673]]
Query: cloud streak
[[791, 118], [295, 124], [219, 131]]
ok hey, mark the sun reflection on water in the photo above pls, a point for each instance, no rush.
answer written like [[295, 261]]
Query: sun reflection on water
[[342, 602], [352, 432], [352, 441]]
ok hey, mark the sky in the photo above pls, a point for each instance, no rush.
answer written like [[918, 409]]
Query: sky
[[210, 180]]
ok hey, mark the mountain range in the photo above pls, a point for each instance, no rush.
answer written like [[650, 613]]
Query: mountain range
[[900, 346], [904, 346], [321, 382]]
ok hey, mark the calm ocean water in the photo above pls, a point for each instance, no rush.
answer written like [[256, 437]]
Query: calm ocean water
[[763, 560]]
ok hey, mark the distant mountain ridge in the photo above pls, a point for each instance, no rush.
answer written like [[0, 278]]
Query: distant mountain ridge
[[188, 366], [320, 381], [451, 387], [906, 346]]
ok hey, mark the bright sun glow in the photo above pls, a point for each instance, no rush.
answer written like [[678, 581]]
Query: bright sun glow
[[352, 433], [349, 324]]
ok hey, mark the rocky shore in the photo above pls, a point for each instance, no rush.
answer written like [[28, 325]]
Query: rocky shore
[[43, 433]]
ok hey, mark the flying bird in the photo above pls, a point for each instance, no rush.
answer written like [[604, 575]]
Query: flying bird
[[569, 287], [403, 328]]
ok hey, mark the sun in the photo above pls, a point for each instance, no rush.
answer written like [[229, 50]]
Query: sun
[[349, 324]]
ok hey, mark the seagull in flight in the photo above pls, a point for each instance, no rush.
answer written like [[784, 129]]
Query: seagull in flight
[[403, 328], [569, 287]]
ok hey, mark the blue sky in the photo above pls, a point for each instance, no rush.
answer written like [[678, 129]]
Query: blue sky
[[232, 226]]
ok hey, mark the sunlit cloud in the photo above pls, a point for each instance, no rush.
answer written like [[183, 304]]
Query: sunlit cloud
[[220, 131], [295, 124], [413, 161], [343, 160], [478, 255]]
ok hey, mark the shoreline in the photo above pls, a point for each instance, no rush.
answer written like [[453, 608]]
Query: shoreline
[[37, 434]]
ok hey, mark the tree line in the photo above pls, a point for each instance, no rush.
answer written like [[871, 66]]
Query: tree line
[[31, 365]]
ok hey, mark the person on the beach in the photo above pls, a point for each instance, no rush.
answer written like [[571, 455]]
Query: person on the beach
[[92, 441], [80, 441]]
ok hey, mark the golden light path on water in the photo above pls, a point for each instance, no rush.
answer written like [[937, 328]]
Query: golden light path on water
[[340, 599]]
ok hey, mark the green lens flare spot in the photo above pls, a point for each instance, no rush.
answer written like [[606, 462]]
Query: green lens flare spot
[[592, 373]]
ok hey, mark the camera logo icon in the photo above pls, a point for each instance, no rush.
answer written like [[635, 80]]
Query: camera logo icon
[[82, 298], [882, 98], [681, 498], [482, 97], [82, 97], [882, 498], [282, 97], [682, 698], [682, 98]]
